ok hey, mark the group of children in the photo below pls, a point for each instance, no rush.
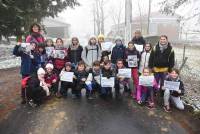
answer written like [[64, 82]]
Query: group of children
[[41, 73]]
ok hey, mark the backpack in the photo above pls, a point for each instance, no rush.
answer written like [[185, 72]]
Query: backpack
[[97, 48], [24, 82]]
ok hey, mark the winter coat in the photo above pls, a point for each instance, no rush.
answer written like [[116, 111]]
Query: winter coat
[[35, 37], [60, 63], [162, 60], [50, 77], [129, 52], [28, 64], [80, 75], [90, 54], [144, 61], [139, 41], [181, 87], [118, 52], [107, 73], [34, 90], [74, 54]]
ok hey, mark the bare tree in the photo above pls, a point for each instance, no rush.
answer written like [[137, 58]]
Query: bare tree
[[140, 12], [116, 15], [99, 15]]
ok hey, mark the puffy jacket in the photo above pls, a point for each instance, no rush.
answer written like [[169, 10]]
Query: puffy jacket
[[90, 54], [35, 37], [74, 54], [139, 41], [118, 52], [28, 64], [162, 60]]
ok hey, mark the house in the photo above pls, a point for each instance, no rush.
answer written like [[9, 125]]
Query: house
[[159, 24], [55, 28]]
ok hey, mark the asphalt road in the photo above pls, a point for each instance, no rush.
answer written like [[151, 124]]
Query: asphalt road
[[68, 116]]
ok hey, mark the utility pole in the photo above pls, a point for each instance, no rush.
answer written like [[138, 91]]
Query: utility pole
[[128, 20]]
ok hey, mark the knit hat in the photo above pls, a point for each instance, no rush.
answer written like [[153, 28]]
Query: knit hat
[[101, 36], [68, 64], [40, 71], [49, 65]]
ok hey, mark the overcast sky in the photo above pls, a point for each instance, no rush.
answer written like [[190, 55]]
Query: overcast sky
[[81, 18]]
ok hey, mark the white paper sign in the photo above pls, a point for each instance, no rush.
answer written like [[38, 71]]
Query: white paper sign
[[67, 76], [106, 46], [171, 85], [97, 79], [105, 82], [49, 51], [59, 54], [132, 61], [125, 72], [139, 47], [26, 47], [146, 81]]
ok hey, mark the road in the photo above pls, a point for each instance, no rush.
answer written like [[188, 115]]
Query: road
[[68, 116]]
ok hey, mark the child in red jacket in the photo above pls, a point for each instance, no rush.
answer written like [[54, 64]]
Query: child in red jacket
[[51, 78], [60, 56]]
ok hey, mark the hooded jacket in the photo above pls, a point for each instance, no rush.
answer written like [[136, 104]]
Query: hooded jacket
[[90, 54]]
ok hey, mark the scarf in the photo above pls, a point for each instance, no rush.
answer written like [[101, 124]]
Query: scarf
[[163, 47]]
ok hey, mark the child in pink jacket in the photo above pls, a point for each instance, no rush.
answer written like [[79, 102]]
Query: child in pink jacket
[[146, 93]]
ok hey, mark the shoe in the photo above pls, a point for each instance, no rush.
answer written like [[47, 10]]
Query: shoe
[[150, 107], [167, 109], [32, 104], [23, 101]]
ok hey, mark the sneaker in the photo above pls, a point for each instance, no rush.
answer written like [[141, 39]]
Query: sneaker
[[32, 104], [167, 109]]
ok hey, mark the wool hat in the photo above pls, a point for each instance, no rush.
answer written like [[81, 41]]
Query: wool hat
[[49, 65], [40, 71]]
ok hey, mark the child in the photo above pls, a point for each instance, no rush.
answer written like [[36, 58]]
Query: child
[[49, 43], [174, 96], [59, 62], [103, 59], [81, 76], [121, 82], [91, 52], [75, 51], [28, 63], [41, 55], [118, 51], [146, 93], [51, 78], [96, 72], [37, 88], [108, 73], [144, 61], [131, 51], [66, 85]]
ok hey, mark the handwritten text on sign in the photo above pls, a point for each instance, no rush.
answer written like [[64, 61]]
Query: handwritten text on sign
[[171, 85]]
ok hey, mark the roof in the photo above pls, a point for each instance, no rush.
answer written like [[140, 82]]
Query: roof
[[54, 22]]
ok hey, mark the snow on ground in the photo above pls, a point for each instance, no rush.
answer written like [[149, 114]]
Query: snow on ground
[[190, 74]]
